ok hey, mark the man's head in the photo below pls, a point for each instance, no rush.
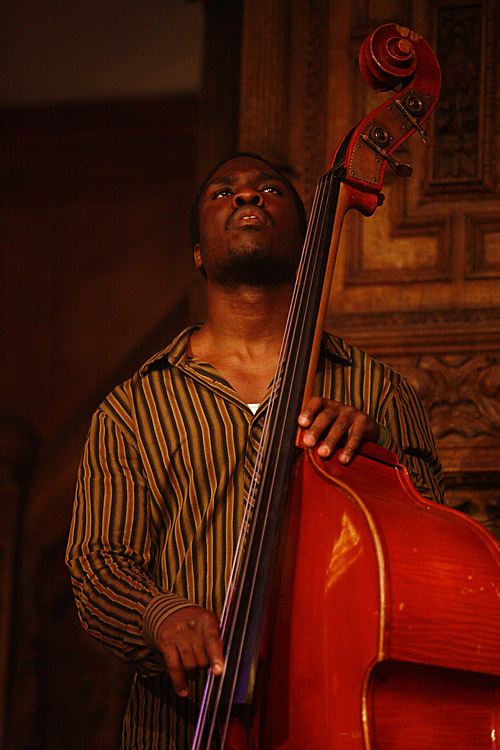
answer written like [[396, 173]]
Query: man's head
[[247, 222]]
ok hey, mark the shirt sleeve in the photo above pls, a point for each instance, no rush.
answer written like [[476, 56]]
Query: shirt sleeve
[[109, 552], [410, 438]]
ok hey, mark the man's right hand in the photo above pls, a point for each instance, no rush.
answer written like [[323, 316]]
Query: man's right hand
[[189, 639]]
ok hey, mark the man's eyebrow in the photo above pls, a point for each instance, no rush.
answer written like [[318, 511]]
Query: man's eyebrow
[[231, 179]]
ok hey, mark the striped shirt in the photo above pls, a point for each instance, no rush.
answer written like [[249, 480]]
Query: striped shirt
[[160, 498]]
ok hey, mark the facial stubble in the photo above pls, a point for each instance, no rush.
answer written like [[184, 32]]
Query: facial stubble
[[253, 264]]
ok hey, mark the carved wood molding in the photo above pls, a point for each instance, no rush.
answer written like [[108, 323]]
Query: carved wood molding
[[477, 494], [458, 122], [433, 266], [461, 393], [453, 359], [467, 48], [483, 243], [407, 331]]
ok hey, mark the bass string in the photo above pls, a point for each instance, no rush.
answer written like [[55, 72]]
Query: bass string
[[299, 304], [256, 473], [311, 272]]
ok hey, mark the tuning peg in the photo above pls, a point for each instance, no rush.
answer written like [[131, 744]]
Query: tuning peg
[[401, 168], [409, 108], [377, 139]]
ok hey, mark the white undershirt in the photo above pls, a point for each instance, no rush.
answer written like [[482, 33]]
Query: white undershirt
[[253, 407]]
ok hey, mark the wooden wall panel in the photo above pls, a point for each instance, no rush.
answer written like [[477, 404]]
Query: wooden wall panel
[[283, 87], [423, 232], [417, 284], [96, 276], [94, 249]]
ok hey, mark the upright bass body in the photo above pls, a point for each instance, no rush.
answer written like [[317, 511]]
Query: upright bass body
[[387, 628], [383, 623]]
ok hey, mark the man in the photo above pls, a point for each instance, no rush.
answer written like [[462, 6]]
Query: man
[[167, 463]]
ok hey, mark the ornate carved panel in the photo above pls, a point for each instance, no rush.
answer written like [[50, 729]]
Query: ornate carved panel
[[453, 359], [418, 283], [465, 122], [459, 120], [435, 241], [461, 392]]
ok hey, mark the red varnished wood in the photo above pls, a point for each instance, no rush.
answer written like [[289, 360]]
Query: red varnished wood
[[418, 707], [387, 633], [387, 57], [365, 165], [443, 593]]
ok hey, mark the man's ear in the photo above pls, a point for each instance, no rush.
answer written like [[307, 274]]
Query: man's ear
[[197, 257], [198, 261]]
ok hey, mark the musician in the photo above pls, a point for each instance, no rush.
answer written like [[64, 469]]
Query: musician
[[168, 458]]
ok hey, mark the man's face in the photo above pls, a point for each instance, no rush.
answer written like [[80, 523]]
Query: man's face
[[249, 229]]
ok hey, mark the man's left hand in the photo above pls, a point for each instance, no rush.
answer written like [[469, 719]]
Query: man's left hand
[[329, 421]]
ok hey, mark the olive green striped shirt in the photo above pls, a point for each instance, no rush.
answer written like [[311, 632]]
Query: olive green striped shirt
[[160, 500]]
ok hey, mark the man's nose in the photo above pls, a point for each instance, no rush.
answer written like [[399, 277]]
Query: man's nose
[[247, 195]]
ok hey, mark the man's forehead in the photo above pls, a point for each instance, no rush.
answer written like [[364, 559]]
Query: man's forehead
[[233, 177], [230, 172]]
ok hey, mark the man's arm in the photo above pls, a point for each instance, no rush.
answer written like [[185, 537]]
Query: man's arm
[[410, 438], [109, 553], [403, 428]]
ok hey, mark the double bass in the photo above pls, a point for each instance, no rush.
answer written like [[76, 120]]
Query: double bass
[[359, 615]]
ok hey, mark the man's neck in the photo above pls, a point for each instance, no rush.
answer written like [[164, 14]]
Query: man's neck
[[246, 316], [242, 336]]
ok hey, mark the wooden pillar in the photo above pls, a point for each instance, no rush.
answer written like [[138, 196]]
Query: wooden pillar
[[219, 115], [283, 86]]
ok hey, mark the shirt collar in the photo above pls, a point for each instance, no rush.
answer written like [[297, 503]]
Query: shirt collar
[[336, 348], [176, 351]]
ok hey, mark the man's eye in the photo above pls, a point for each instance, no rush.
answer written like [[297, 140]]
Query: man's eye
[[221, 193], [272, 189]]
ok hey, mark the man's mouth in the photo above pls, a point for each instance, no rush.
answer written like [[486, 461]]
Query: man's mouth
[[247, 216]]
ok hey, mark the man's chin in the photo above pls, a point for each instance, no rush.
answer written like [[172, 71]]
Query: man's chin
[[252, 271]]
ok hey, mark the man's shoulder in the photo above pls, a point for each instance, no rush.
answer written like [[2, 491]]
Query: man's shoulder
[[120, 397], [170, 356], [336, 347]]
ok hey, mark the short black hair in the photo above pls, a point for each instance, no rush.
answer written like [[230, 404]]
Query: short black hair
[[194, 217]]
